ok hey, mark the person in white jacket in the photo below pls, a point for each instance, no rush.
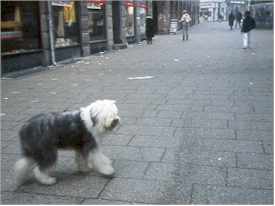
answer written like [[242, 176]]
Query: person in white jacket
[[185, 20]]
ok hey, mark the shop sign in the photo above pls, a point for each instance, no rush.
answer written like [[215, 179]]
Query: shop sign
[[61, 3], [96, 4]]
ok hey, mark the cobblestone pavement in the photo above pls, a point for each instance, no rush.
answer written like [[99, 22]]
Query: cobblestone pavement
[[200, 131]]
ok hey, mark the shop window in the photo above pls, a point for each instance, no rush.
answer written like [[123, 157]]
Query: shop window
[[130, 29], [96, 21], [19, 27], [142, 14], [66, 30]]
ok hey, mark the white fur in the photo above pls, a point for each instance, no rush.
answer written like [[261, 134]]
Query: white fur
[[102, 163], [23, 168], [104, 110], [43, 177]]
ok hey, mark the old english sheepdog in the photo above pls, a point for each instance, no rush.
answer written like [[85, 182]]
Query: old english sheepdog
[[80, 131]]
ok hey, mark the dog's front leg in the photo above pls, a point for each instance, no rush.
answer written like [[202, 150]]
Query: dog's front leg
[[102, 163]]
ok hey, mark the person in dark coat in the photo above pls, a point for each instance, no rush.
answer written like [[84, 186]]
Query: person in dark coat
[[231, 19], [248, 24], [239, 17], [149, 29]]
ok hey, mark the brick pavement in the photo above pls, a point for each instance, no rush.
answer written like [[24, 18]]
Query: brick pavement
[[199, 132]]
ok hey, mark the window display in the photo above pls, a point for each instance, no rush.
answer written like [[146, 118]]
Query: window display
[[65, 22], [19, 27], [130, 29], [96, 20]]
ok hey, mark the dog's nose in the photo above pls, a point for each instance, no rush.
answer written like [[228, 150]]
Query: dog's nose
[[114, 123]]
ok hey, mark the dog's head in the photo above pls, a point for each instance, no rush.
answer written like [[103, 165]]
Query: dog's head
[[102, 115]]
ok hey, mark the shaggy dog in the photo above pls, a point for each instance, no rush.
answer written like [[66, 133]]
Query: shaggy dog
[[80, 131]]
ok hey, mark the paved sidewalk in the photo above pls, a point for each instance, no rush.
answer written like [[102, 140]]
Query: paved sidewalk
[[199, 132]]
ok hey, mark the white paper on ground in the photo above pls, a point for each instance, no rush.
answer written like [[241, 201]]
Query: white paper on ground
[[143, 77]]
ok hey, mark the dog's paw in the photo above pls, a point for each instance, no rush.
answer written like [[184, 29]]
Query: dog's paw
[[48, 181], [106, 170]]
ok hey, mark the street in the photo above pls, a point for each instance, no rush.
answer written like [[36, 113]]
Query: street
[[199, 130]]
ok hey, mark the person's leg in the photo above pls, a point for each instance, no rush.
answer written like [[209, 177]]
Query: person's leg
[[187, 32], [245, 40], [249, 39]]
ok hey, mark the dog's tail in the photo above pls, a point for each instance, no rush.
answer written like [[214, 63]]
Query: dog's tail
[[23, 168]]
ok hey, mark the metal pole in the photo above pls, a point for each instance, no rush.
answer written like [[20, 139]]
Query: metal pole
[[50, 16]]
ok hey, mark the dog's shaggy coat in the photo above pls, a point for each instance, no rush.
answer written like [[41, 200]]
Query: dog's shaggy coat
[[44, 134]]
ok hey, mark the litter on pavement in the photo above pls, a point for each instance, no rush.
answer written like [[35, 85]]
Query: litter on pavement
[[143, 77]]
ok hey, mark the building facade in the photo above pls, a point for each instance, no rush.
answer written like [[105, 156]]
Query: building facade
[[41, 33], [213, 10]]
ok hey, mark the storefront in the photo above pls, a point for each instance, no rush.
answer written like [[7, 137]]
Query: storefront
[[20, 35], [97, 25], [130, 20], [66, 33], [141, 5]]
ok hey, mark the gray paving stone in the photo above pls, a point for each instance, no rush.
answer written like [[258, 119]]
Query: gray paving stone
[[254, 134], [155, 141], [154, 122], [117, 139], [207, 158], [187, 173], [189, 144], [255, 161], [133, 153], [17, 198], [254, 117], [206, 133], [147, 191], [169, 114], [250, 178], [104, 202], [129, 169], [248, 125], [70, 185], [209, 194]]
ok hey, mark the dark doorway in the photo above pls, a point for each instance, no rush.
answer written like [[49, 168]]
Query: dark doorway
[[155, 16], [116, 22]]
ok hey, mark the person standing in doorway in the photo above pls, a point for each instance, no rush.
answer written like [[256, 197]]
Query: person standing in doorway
[[239, 17], [185, 20], [231, 19], [248, 24], [149, 30]]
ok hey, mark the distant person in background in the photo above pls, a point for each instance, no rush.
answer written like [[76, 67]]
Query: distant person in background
[[185, 20], [149, 30], [239, 17], [231, 19], [248, 24]]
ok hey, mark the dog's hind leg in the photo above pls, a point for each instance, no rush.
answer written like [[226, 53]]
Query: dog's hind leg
[[23, 169], [82, 162], [45, 159]]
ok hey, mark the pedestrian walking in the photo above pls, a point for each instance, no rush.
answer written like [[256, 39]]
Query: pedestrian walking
[[231, 19], [239, 17], [185, 20], [248, 24], [149, 30]]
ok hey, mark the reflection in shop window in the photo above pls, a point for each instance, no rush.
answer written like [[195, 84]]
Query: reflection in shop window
[[130, 30], [65, 23], [19, 27], [96, 21]]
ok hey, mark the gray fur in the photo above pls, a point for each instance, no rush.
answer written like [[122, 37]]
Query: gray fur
[[44, 134]]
